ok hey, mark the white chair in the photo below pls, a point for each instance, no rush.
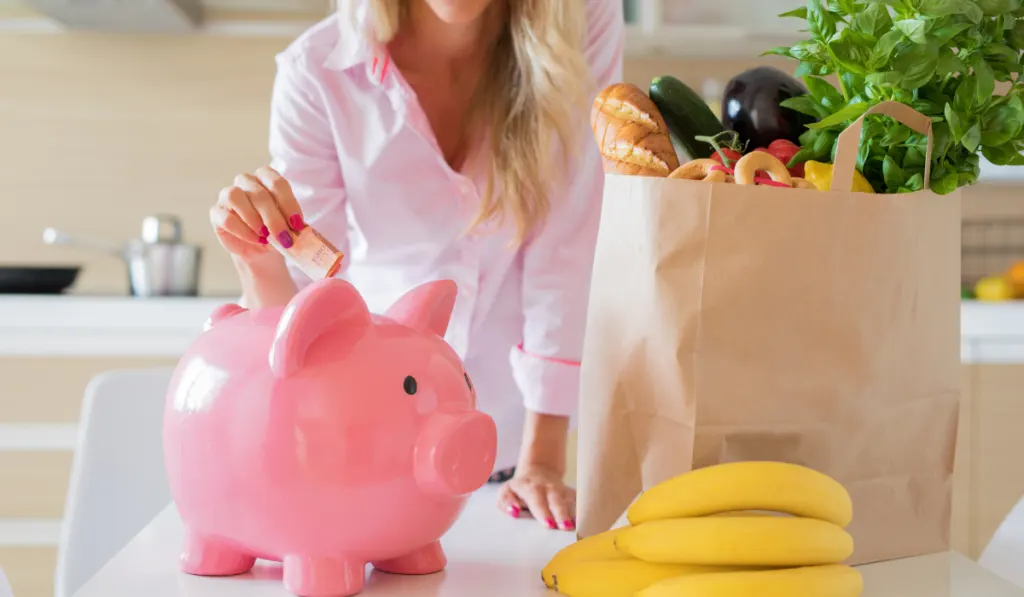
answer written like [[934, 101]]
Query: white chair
[[118, 483], [1004, 554]]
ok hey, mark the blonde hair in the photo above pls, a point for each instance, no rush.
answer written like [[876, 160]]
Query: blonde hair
[[536, 94]]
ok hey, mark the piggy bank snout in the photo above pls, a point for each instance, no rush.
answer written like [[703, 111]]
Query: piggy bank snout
[[455, 452]]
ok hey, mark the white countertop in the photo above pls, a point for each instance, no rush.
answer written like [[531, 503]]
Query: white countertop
[[76, 325], [488, 554]]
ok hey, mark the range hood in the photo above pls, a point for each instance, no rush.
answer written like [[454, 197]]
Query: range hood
[[169, 16], [122, 15]]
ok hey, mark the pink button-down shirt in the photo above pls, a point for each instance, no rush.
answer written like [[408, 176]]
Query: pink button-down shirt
[[348, 134]]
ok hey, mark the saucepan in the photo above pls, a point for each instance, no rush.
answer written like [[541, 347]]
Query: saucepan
[[158, 264]]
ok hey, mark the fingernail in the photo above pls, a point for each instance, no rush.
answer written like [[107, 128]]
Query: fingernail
[[551, 523], [264, 232], [568, 525], [513, 511], [295, 221], [263, 240], [285, 239]]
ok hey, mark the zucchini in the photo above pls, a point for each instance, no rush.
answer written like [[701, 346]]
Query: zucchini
[[687, 116]]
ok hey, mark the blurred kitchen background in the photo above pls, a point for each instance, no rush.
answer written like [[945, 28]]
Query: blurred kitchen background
[[111, 112]]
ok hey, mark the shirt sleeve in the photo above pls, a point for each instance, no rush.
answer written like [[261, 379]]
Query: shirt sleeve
[[303, 151], [557, 261]]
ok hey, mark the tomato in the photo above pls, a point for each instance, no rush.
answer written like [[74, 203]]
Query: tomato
[[732, 154], [784, 150]]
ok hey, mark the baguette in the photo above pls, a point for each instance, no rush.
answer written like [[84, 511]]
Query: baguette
[[631, 132]]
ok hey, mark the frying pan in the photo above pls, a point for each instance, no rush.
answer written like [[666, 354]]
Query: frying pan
[[37, 280]]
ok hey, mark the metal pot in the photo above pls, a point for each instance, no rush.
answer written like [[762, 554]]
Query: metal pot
[[159, 264]]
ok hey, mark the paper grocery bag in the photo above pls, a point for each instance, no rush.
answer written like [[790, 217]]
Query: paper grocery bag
[[732, 323]]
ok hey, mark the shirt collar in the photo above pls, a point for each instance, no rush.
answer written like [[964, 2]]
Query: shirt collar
[[360, 49]]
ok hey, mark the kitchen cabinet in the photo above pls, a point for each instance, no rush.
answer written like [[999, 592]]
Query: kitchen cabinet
[[989, 475]]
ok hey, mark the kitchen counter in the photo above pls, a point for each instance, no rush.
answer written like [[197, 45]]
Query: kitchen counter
[[488, 553], [79, 325]]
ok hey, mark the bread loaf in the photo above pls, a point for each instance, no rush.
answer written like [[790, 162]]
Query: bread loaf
[[631, 132]]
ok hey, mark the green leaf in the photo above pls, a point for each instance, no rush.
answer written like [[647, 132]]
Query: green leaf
[[852, 51], [824, 143], [942, 35], [892, 173], [1016, 35], [949, 64], [807, 50], [851, 112], [940, 139], [1002, 122], [914, 29], [807, 137], [896, 135], [811, 68], [824, 92], [985, 81], [805, 104], [917, 63], [1003, 155], [966, 92], [873, 20], [972, 137], [892, 77], [992, 8], [805, 153], [947, 183], [955, 129], [777, 51], [821, 22], [883, 49], [800, 13], [926, 106], [915, 183], [943, 8]]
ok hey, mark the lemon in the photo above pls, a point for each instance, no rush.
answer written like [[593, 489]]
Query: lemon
[[820, 175], [993, 288]]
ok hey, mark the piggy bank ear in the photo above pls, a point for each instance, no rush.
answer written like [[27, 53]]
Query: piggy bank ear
[[427, 308], [330, 305]]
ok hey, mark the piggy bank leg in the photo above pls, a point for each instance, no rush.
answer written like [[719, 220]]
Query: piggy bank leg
[[425, 560], [323, 577], [204, 557]]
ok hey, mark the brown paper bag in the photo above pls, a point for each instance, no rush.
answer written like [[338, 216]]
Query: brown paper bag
[[731, 323]]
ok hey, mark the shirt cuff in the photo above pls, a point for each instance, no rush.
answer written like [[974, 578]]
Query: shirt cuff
[[549, 386]]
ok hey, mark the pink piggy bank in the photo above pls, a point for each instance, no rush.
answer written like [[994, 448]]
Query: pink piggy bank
[[324, 437]]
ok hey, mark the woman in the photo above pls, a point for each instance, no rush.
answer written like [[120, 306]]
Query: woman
[[433, 139]]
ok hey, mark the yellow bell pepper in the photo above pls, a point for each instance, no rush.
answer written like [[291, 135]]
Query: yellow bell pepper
[[993, 288], [820, 175]]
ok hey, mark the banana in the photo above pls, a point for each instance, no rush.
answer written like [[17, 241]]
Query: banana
[[595, 547], [816, 581], [774, 486], [619, 578], [738, 540]]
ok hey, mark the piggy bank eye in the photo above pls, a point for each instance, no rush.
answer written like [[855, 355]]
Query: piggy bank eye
[[468, 383], [409, 385]]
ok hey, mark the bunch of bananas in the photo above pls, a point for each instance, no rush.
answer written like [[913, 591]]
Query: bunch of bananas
[[765, 529]]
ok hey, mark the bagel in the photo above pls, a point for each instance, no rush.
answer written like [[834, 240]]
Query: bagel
[[699, 169], [749, 165]]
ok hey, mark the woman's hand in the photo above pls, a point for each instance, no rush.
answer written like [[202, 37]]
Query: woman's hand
[[543, 493], [538, 485], [257, 207]]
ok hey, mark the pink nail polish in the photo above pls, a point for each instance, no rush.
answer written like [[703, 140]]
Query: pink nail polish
[[551, 523], [513, 511], [264, 232], [263, 240], [285, 239], [568, 525], [295, 221]]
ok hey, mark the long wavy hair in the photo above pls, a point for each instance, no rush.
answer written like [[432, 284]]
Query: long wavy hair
[[535, 97]]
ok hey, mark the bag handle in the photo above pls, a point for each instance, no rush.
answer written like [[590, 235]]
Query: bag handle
[[849, 142]]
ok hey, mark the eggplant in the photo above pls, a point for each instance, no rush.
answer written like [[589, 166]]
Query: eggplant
[[750, 106]]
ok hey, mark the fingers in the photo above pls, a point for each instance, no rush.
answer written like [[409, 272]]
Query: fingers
[[536, 499], [509, 502], [236, 209], [563, 507], [282, 192], [226, 219], [267, 207]]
